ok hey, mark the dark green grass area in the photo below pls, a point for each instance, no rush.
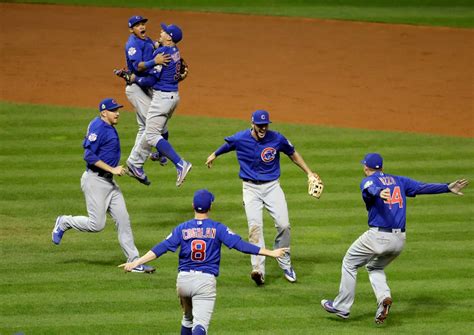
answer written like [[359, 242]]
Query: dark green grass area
[[76, 288], [452, 13]]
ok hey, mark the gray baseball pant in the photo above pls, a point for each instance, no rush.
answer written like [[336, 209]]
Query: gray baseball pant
[[271, 196], [140, 100], [197, 294], [376, 250], [162, 107], [102, 196]]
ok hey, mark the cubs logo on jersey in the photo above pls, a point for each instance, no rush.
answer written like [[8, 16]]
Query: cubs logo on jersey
[[268, 154]]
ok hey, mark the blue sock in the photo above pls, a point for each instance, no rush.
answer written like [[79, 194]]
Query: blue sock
[[186, 331], [164, 147], [199, 330]]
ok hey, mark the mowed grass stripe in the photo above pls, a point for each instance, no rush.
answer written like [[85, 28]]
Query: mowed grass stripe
[[62, 287]]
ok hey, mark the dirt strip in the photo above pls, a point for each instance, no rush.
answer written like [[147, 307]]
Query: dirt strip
[[348, 74]]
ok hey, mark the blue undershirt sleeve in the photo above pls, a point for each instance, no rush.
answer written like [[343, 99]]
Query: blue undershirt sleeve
[[90, 157], [246, 247], [160, 248], [226, 147], [432, 189], [147, 81]]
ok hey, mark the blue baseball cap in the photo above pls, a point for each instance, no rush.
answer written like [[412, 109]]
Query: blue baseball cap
[[174, 31], [109, 104], [260, 117], [373, 161], [202, 201], [136, 19]]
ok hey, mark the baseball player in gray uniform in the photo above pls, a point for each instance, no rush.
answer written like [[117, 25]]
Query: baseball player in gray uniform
[[258, 153], [139, 58], [200, 241], [102, 155], [164, 81], [385, 198]]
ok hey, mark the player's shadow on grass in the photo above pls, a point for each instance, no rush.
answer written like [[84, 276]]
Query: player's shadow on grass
[[93, 261], [420, 304]]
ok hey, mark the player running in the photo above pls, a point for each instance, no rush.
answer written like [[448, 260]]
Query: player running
[[102, 193], [200, 241], [258, 152], [385, 199]]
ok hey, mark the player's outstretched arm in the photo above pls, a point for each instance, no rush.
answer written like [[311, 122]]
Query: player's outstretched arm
[[457, 185], [149, 256], [274, 253]]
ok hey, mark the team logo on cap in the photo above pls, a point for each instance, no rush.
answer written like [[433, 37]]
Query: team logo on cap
[[262, 117], [268, 154], [102, 106]]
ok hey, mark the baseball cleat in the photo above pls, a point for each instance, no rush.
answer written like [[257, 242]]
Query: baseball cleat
[[137, 173], [258, 278], [143, 269], [290, 275], [57, 234], [327, 305], [157, 157], [382, 310], [182, 169]]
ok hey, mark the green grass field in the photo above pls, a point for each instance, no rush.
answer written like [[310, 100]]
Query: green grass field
[[451, 13], [75, 288]]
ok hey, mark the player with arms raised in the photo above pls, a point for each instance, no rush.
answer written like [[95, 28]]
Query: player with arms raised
[[385, 199]]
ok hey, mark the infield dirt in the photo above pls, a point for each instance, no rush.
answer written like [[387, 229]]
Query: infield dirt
[[344, 74]]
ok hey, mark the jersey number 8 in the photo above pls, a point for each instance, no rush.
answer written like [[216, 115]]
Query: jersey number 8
[[198, 250]]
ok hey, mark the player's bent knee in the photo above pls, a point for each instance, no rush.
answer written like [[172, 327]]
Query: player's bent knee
[[152, 139], [199, 330], [97, 226]]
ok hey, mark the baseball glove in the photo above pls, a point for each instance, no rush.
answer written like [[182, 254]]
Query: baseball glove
[[315, 186], [183, 70], [125, 75]]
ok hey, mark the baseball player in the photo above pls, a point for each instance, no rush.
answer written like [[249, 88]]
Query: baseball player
[[164, 81], [258, 153], [200, 241], [102, 155], [385, 199], [139, 58]]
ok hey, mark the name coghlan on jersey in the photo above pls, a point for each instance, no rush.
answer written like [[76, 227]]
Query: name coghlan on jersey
[[198, 233]]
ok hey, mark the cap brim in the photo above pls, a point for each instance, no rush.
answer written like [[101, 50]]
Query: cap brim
[[114, 107], [164, 27]]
